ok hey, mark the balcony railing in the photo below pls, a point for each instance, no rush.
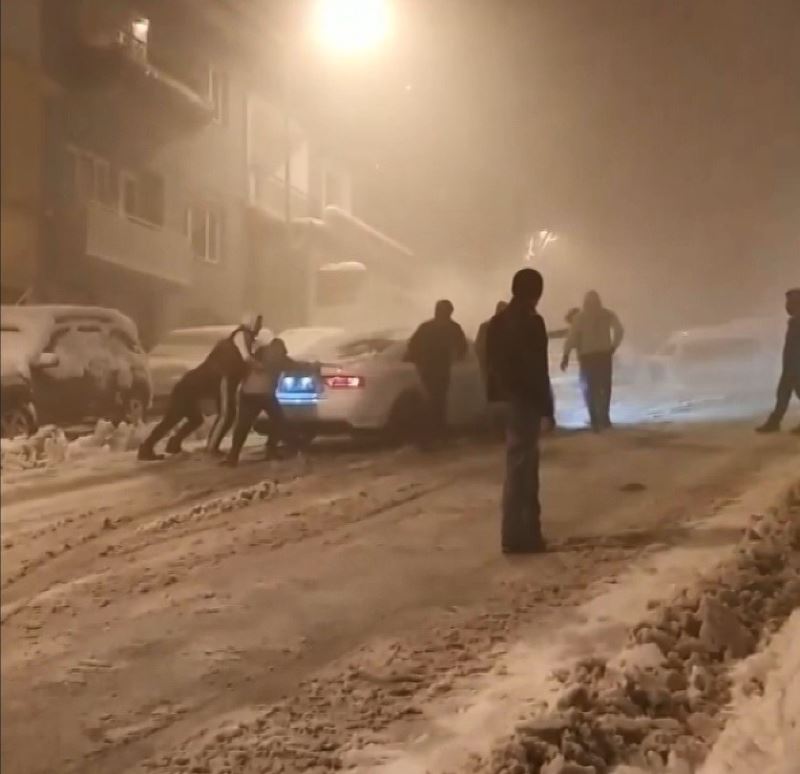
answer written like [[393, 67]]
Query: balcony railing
[[268, 192], [136, 245]]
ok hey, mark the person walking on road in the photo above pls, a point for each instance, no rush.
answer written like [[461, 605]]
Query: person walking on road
[[596, 334], [231, 358], [257, 394], [434, 347], [518, 375], [790, 374]]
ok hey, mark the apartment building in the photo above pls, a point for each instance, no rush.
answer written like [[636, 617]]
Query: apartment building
[[162, 155], [24, 92]]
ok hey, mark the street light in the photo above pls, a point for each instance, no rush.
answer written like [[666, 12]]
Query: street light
[[352, 26]]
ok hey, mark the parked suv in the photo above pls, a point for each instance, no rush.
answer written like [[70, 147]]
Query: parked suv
[[67, 365]]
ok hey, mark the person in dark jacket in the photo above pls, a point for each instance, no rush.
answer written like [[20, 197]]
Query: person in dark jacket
[[257, 394], [790, 374], [184, 406], [231, 358], [518, 372], [434, 347], [480, 340]]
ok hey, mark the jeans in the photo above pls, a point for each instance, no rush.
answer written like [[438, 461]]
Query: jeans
[[437, 387], [250, 406], [596, 380], [521, 529], [787, 385], [184, 406]]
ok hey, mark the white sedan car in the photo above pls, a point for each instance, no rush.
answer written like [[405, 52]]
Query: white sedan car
[[363, 384]]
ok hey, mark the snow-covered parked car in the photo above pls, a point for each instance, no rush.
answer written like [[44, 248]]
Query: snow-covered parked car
[[742, 354], [66, 365], [179, 352], [363, 385]]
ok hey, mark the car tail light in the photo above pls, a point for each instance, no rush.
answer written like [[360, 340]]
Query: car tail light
[[344, 382]]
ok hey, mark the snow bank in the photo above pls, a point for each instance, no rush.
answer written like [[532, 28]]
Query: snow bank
[[763, 734], [50, 446]]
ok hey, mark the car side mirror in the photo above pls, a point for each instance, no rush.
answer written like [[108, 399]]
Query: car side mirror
[[46, 360]]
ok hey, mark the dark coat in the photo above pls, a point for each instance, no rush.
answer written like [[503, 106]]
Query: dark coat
[[435, 346], [518, 368]]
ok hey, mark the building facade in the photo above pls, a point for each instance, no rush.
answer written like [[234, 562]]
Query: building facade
[[24, 94], [159, 157]]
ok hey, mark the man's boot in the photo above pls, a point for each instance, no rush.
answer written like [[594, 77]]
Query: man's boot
[[174, 445], [770, 426], [147, 454]]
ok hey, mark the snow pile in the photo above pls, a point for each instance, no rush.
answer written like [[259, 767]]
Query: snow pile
[[659, 705], [50, 446], [764, 733]]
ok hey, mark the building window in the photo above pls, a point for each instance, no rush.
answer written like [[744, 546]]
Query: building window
[[129, 194], [218, 94], [151, 198], [91, 177], [133, 38], [205, 226]]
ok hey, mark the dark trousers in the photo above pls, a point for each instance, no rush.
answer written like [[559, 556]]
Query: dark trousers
[[436, 386], [789, 383], [521, 528], [183, 406], [249, 407], [596, 380], [226, 412]]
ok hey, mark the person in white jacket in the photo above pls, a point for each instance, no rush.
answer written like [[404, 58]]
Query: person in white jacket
[[595, 334]]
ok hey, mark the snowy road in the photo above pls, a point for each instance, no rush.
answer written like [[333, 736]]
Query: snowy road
[[143, 605]]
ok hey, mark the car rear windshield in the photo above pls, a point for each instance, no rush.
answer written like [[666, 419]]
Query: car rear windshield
[[351, 349]]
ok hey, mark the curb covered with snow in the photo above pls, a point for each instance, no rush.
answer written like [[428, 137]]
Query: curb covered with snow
[[658, 706]]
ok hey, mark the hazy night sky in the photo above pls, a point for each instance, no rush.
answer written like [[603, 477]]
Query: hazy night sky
[[662, 137]]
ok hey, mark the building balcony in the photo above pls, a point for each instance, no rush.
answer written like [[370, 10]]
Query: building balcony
[[97, 46], [268, 194], [132, 244]]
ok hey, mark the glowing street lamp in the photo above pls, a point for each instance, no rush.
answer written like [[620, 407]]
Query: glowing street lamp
[[347, 28], [352, 26]]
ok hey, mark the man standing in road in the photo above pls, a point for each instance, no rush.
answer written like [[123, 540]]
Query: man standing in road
[[596, 334], [518, 375], [433, 349], [790, 375]]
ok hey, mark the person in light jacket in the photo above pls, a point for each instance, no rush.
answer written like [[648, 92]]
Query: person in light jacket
[[595, 334], [257, 394]]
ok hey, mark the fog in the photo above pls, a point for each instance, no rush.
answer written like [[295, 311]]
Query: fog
[[659, 141]]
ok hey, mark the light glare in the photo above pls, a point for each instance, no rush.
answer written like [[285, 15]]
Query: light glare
[[352, 26]]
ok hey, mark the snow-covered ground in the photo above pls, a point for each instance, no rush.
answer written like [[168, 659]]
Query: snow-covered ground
[[352, 608]]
